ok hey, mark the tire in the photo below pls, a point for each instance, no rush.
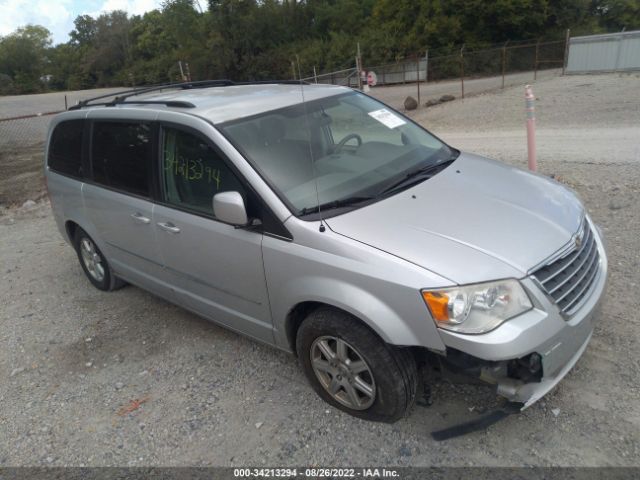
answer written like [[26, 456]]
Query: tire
[[94, 264], [391, 373]]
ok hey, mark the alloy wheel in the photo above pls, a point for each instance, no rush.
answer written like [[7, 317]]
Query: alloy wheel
[[91, 259], [343, 373]]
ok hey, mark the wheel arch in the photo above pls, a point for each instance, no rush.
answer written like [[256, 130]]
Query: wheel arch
[[71, 227], [355, 302], [302, 310]]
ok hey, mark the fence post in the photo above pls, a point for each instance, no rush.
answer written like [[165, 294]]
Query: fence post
[[418, 76], [426, 67], [462, 70], [567, 41], [359, 68], [620, 42], [504, 61], [404, 75], [315, 75], [535, 62]]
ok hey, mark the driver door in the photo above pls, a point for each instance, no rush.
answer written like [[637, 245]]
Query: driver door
[[215, 269]]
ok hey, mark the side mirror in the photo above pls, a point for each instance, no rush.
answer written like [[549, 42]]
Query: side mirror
[[229, 207]]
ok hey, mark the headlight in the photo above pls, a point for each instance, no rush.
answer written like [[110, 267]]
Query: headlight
[[476, 308]]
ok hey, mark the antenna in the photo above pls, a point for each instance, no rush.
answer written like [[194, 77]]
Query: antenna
[[313, 163]]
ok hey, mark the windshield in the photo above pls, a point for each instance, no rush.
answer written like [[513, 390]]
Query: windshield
[[348, 147]]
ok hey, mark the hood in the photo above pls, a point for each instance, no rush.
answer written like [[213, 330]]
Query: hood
[[477, 220]]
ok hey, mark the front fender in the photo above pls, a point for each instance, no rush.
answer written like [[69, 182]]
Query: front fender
[[354, 300], [383, 292]]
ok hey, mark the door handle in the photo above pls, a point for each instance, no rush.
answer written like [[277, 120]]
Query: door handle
[[169, 227], [138, 217]]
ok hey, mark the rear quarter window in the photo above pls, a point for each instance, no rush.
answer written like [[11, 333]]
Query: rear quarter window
[[65, 149]]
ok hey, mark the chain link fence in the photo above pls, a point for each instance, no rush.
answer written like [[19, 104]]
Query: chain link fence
[[21, 157], [24, 121], [497, 67], [23, 131], [347, 77]]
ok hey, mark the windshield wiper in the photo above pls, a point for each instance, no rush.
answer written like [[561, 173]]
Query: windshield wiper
[[417, 176], [341, 202]]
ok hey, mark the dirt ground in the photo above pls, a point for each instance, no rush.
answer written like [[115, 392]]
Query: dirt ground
[[22, 178], [73, 359]]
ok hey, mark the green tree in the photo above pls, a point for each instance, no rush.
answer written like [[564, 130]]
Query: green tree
[[23, 58], [258, 39], [618, 14]]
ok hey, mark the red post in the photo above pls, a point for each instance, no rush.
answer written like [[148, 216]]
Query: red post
[[530, 100]]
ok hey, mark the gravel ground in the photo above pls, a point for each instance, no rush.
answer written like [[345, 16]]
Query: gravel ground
[[73, 359]]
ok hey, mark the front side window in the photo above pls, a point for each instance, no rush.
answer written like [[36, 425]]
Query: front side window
[[65, 150], [121, 156], [193, 172], [336, 150]]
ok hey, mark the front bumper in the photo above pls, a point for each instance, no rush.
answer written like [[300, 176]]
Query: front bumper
[[559, 341]]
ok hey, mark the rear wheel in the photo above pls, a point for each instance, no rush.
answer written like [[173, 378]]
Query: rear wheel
[[94, 264], [351, 368]]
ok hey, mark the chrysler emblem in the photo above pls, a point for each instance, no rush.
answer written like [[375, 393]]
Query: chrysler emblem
[[579, 238]]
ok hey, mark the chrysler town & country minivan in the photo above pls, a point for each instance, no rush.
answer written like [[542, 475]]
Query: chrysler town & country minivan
[[320, 221]]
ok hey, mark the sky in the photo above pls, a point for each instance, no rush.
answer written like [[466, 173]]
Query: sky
[[58, 15]]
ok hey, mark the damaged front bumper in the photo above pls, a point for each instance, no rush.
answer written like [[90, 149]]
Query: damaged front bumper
[[528, 356], [529, 393]]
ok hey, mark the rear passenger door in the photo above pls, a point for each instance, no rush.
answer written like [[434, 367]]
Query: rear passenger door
[[118, 198], [215, 268]]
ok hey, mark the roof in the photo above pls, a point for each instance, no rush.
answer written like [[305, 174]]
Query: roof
[[221, 104]]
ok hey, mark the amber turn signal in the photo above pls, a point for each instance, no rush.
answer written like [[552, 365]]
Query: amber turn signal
[[438, 305]]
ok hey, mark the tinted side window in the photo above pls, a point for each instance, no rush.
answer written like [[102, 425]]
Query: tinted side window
[[194, 172], [65, 150], [121, 156]]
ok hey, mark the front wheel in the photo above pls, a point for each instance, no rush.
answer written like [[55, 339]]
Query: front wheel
[[351, 368]]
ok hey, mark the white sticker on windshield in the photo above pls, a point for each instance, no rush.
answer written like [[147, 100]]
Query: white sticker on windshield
[[387, 118]]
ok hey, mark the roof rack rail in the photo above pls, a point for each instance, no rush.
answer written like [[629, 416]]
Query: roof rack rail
[[168, 103], [120, 97]]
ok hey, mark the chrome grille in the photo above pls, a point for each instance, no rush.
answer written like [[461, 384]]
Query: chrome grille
[[568, 279]]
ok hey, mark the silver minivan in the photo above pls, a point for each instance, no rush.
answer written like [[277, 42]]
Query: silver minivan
[[320, 221]]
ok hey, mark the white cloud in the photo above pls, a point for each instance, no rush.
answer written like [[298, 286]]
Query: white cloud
[[137, 7], [54, 15], [133, 7], [58, 15]]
